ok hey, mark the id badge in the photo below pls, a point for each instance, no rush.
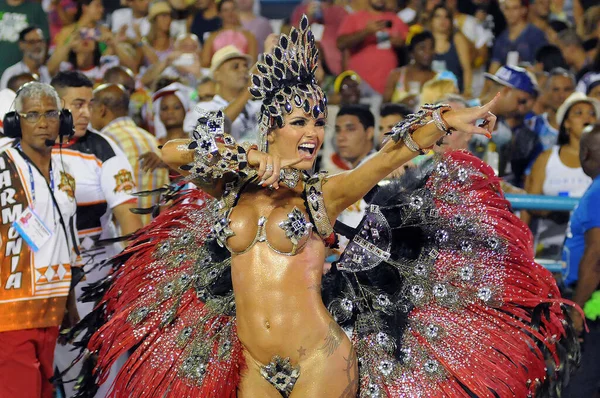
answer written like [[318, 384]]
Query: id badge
[[32, 229]]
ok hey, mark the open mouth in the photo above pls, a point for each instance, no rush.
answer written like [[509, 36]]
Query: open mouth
[[307, 150]]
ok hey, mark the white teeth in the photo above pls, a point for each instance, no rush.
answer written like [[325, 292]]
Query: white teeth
[[310, 146]]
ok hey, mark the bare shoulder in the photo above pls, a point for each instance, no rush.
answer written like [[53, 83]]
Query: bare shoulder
[[542, 159]]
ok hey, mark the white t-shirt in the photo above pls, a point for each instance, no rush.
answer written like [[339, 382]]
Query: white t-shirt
[[20, 68], [244, 127], [124, 17], [104, 180]]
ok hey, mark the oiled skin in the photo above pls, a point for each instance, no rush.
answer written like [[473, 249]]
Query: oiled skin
[[279, 306]]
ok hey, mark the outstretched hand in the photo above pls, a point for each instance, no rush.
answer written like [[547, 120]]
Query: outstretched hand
[[269, 166], [465, 119]]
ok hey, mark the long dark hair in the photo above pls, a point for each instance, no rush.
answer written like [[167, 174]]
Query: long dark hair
[[72, 59], [80, 4], [450, 16]]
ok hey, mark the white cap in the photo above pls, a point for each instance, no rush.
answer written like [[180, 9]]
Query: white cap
[[573, 99]]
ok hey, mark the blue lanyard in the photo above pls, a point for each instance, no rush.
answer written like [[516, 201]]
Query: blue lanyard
[[33, 182], [31, 176]]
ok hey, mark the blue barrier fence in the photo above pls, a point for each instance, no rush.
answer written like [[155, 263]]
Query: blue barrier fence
[[541, 202]]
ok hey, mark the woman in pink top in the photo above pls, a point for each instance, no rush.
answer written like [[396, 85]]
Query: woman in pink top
[[231, 33]]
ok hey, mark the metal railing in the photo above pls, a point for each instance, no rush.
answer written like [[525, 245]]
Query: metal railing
[[542, 202]]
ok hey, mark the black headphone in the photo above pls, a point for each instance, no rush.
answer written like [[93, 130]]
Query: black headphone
[[12, 123]]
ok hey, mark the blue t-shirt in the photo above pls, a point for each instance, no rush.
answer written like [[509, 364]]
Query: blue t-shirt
[[585, 217], [528, 42], [541, 126]]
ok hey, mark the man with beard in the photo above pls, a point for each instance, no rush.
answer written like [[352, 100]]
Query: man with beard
[[372, 36], [33, 45]]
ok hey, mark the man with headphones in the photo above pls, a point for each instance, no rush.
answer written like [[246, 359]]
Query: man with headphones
[[39, 244]]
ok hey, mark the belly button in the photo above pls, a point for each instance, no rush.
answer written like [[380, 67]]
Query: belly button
[[267, 325]]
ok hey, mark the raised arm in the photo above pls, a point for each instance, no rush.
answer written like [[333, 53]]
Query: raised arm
[[176, 154], [346, 188]]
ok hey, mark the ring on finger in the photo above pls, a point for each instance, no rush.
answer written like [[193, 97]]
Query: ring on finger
[[269, 167]]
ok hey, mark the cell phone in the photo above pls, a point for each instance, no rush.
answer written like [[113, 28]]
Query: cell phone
[[89, 33]]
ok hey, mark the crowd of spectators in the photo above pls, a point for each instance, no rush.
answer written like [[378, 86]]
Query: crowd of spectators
[[152, 65]]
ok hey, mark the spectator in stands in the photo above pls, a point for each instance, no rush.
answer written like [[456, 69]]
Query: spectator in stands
[[580, 8], [16, 15], [516, 157], [352, 6], [404, 84], [62, 13], [539, 16], [130, 18], [480, 36], [103, 186], [436, 89], [591, 23], [326, 18], [89, 47], [139, 96], [516, 85], [229, 68], [206, 89], [582, 254], [7, 99], [206, 20], [519, 90], [184, 62], [557, 88], [354, 138], [259, 26], [346, 89], [590, 85], [520, 41], [15, 82], [558, 172], [390, 115], [452, 49], [574, 53], [33, 47], [170, 105], [547, 57], [409, 10], [89, 14], [35, 288], [157, 44], [371, 37], [109, 115], [231, 32]]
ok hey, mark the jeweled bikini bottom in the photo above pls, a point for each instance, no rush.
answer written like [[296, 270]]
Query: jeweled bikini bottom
[[281, 374]]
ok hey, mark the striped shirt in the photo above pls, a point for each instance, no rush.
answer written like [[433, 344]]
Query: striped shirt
[[135, 141]]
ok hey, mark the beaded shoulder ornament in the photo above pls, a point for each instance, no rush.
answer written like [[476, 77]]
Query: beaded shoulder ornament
[[286, 80]]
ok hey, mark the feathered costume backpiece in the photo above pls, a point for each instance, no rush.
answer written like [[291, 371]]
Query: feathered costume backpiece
[[437, 289]]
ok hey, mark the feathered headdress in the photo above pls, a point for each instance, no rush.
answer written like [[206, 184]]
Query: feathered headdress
[[287, 80]]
